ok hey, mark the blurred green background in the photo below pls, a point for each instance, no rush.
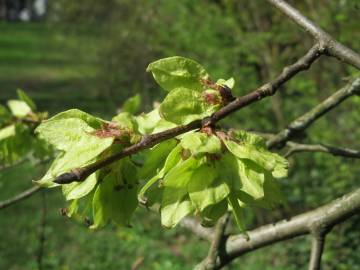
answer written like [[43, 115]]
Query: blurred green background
[[92, 55]]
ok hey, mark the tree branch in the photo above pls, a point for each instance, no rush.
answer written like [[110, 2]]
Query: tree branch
[[19, 197], [40, 253], [320, 219], [328, 43], [317, 248], [298, 147], [195, 227], [319, 110], [269, 89], [216, 246]]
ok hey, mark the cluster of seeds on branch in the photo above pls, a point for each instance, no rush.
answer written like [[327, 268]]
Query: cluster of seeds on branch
[[205, 173]]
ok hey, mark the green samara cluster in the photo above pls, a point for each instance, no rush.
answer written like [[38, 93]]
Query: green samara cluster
[[17, 123], [206, 172]]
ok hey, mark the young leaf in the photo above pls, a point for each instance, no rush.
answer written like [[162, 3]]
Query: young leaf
[[238, 213], [73, 136], [7, 132], [211, 214], [183, 105], [78, 190], [126, 120], [155, 158], [175, 72], [172, 159], [206, 188], [174, 208], [257, 151], [197, 142], [132, 104], [147, 122], [19, 108], [180, 175], [152, 123], [64, 134], [114, 199], [5, 115], [269, 161], [175, 201], [12, 146], [24, 97], [246, 151], [81, 209], [89, 119], [229, 83], [229, 168], [252, 178]]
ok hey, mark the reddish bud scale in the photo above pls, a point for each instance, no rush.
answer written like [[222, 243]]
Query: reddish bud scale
[[211, 98], [209, 130], [226, 94], [224, 91]]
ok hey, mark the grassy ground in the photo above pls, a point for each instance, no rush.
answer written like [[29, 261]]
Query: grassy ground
[[69, 245], [49, 67]]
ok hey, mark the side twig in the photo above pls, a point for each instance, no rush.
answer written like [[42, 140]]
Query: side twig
[[195, 227], [42, 228], [343, 152], [317, 248], [328, 43], [20, 197], [303, 122], [216, 246]]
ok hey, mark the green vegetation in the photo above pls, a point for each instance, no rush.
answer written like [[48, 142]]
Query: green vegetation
[[37, 58]]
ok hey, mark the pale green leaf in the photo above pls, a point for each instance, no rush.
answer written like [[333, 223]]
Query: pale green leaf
[[24, 97], [89, 119], [126, 120], [174, 72], [163, 125], [78, 190], [5, 115], [254, 148], [206, 188], [229, 168], [250, 138], [80, 152], [81, 209], [211, 214], [19, 108], [113, 201], [197, 142], [172, 159], [155, 158], [272, 195], [132, 104], [179, 176], [175, 201], [64, 134], [252, 178], [174, 208], [270, 161], [147, 122], [246, 151], [238, 212], [182, 105], [229, 83], [7, 132]]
